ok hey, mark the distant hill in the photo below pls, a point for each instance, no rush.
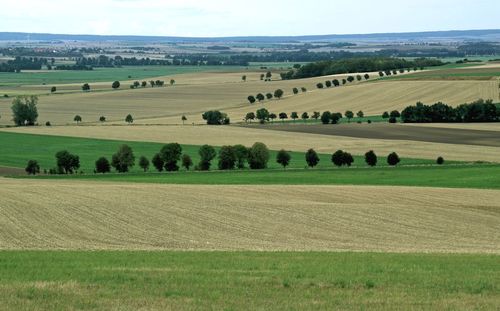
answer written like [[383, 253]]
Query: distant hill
[[485, 35]]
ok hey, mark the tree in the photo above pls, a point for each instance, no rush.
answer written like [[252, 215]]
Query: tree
[[251, 99], [102, 165], [328, 83], [294, 115], [172, 82], [129, 119], [186, 162], [116, 85], [152, 83], [227, 158], [360, 114], [393, 120], [348, 159], [338, 158], [272, 116], [123, 159], [278, 93], [144, 84], [303, 89], [32, 168], [336, 82], [241, 153], [440, 160], [312, 158], [250, 117], [319, 85], [295, 91], [136, 84], [53, 89], [350, 79], [85, 87], [144, 163], [77, 119], [283, 116], [184, 119], [269, 75], [269, 96], [24, 110], [207, 154], [158, 162], [344, 81], [258, 156], [171, 154], [336, 117], [262, 76], [326, 116], [349, 115], [381, 73], [371, 158], [393, 159], [385, 115], [102, 119], [367, 76], [260, 97], [395, 114], [359, 78], [283, 158], [262, 115], [215, 117], [305, 116], [67, 163], [244, 78], [316, 115]]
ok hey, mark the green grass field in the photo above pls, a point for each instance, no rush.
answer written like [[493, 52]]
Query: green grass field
[[18, 149], [247, 281], [102, 74], [485, 176]]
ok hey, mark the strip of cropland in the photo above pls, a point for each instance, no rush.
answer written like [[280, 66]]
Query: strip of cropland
[[246, 280]]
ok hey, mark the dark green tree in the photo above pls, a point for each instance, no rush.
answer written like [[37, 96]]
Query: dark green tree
[[295, 91], [171, 154], [24, 110], [258, 156], [326, 117], [85, 87], [227, 158], [393, 159], [260, 97], [53, 89], [158, 162], [123, 159], [144, 163], [440, 161], [241, 153], [338, 158], [102, 165], [278, 93], [77, 119], [294, 115], [320, 85], [269, 96], [360, 114], [186, 162], [262, 115], [349, 115], [283, 116], [67, 163], [312, 158], [207, 154], [129, 119], [371, 158], [272, 116], [250, 117], [115, 85], [251, 99], [283, 158], [305, 116], [32, 168], [385, 115]]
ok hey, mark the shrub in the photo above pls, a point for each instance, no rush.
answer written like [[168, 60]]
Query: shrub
[[440, 160], [171, 154], [158, 162], [186, 161], [258, 156], [227, 158], [102, 165], [32, 168], [393, 159], [371, 158], [123, 159], [144, 163], [283, 158], [207, 154], [241, 153], [312, 158]]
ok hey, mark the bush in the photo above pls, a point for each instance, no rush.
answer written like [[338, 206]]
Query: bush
[[241, 153], [207, 154], [123, 159], [67, 163], [283, 158], [258, 156], [227, 158], [171, 154], [186, 161], [393, 159], [440, 160], [158, 162], [312, 158], [144, 163], [371, 158], [32, 168], [102, 165]]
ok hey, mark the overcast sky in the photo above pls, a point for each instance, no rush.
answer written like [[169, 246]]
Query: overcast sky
[[245, 18]]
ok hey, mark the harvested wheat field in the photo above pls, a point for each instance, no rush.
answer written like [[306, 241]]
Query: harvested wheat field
[[275, 140], [86, 215], [465, 126]]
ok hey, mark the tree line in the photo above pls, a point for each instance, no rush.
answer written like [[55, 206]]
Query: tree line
[[477, 111], [23, 63], [352, 65]]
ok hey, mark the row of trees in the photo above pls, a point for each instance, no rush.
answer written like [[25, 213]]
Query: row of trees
[[336, 82], [261, 97], [477, 111], [116, 85], [263, 115]]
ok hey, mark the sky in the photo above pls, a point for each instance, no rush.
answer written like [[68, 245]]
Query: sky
[[216, 18]]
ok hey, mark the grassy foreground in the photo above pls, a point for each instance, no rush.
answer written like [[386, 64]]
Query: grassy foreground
[[247, 280], [18, 149], [453, 176]]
